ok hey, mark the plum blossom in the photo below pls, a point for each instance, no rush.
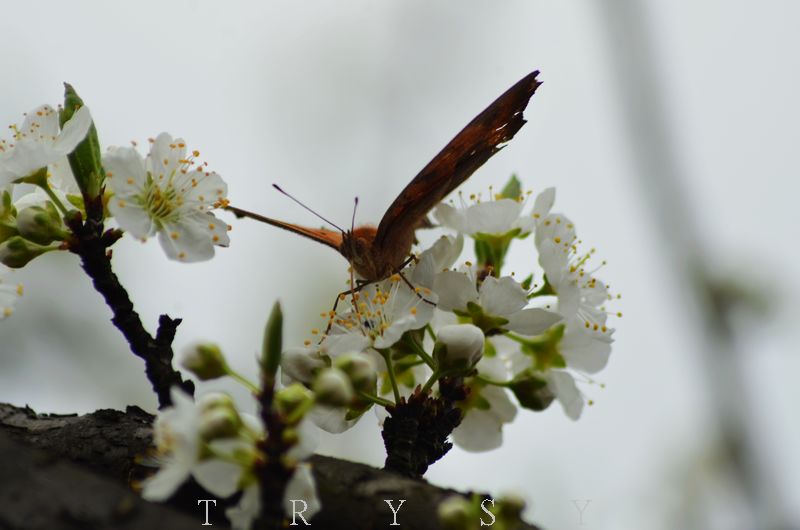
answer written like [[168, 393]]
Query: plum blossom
[[9, 293], [39, 143], [169, 194]]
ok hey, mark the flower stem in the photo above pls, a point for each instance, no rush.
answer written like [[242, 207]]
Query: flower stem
[[239, 378], [431, 380], [392, 379], [375, 399], [53, 197], [488, 381]]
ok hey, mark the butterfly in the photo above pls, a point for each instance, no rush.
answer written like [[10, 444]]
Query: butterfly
[[377, 253]]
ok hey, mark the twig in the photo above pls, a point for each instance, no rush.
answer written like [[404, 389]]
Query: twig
[[91, 244]]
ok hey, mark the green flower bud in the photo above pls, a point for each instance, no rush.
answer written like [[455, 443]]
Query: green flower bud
[[220, 422], [206, 361], [215, 400], [16, 251], [510, 507], [360, 369], [85, 160], [41, 225], [532, 393], [458, 347], [293, 400], [332, 387], [455, 513]]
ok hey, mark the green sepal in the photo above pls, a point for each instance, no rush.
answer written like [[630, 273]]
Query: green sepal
[[273, 342], [16, 251], [86, 159], [526, 283], [532, 393], [512, 189], [491, 325], [491, 249]]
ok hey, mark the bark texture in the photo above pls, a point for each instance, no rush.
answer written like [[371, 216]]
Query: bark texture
[[74, 472]]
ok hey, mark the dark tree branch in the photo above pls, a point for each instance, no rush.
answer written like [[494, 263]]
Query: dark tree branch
[[92, 245], [39, 490]]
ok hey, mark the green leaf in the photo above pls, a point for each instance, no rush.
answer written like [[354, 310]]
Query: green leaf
[[85, 160], [273, 341]]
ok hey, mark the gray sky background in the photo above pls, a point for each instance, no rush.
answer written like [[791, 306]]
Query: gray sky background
[[336, 99]]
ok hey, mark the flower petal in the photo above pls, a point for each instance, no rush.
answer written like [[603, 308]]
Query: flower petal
[[503, 296], [532, 321], [125, 171], [73, 132], [218, 477], [563, 386], [301, 487], [454, 289], [188, 239]]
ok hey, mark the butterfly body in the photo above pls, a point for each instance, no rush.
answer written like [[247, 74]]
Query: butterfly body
[[377, 253]]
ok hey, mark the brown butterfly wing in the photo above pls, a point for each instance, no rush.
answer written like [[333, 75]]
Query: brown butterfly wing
[[327, 237], [459, 159]]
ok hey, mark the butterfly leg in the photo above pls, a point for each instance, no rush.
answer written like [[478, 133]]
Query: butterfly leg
[[360, 284]]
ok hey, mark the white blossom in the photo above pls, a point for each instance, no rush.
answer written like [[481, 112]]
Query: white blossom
[[38, 143], [168, 194]]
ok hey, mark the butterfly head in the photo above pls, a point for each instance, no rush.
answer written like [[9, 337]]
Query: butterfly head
[[358, 249]]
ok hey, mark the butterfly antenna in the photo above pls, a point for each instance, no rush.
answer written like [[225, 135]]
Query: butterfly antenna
[[307, 208], [353, 220]]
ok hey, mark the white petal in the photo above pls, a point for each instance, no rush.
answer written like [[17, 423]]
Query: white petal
[[455, 289], [188, 239], [563, 386], [125, 171], [308, 435], [207, 188], [74, 131], [450, 217], [243, 514], [218, 477], [544, 203], [492, 217], [502, 406], [503, 296], [131, 218], [330, 419], [480, 430], [301, 487], [585, 349], [165, 154], [336, 345], [163, 484], [532, 321], [40, 125]]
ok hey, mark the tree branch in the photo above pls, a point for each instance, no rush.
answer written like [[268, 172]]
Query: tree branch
[[42, 487], [92, 245]]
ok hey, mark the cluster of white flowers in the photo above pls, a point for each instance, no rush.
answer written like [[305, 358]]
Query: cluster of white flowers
[[225, 449], [168, 193], [502, 336]]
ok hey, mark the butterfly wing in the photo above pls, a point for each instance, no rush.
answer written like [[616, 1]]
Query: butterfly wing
[[469, 150], [327, 237]]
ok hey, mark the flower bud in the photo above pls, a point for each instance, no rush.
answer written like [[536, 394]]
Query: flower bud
[[40, 225], [300, 364], [511, 506], [532, 393], [360, 369], [214, 400], [332, 387], [220, 422], [206, 361], [294, 397], [455, 513], [458, 347], [16, 252]]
